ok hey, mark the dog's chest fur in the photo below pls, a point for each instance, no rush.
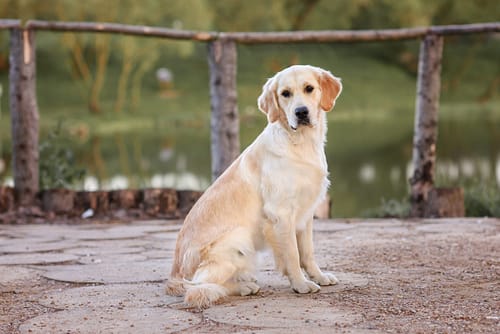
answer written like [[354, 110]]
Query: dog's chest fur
[[294, 178]]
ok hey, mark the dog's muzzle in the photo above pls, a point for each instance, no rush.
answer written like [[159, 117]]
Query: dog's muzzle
[[302, 114]]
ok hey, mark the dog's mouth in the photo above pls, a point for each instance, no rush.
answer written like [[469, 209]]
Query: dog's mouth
[[304, 121], [301, 122]]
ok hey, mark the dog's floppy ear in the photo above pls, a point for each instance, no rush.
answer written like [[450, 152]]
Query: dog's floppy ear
[[330, 89], [267, 101]]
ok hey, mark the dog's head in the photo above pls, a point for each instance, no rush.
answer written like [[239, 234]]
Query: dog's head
[[298, 94]]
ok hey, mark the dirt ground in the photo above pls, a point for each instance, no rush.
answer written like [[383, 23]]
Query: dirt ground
[[420, 281], [445, 284]]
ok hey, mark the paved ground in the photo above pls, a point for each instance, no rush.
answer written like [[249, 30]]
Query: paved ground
[[395, 276]]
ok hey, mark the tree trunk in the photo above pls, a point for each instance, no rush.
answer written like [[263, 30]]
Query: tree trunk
[[426, 121], [225, 125], [24, 115]]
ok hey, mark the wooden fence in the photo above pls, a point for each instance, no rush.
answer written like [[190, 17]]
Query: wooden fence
[[222, 58]]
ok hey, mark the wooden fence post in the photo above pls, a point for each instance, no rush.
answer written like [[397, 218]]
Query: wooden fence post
[[24, 114], [426, 122], [225, 127]]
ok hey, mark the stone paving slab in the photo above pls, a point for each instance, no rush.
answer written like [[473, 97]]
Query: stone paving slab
[[123, 272], [147, 228], [21, 239], [37, 258], [299, 312], [112, 258], [110, 295], [41, 231], [35, 246], [110, 244], [165, 236], [270, 279], [12, 274], [111, 320], [338, 328], [87, 251], [107, 234], [123, 268], [157, 253]]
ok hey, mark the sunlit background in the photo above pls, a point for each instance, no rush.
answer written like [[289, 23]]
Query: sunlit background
[[135, 112]]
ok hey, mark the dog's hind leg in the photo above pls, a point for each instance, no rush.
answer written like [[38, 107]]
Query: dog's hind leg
[[225, 270]]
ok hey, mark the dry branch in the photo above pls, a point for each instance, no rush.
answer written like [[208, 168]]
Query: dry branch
[[9, 24], [323, 36], [359, 35], [122, 29], [259, 37]]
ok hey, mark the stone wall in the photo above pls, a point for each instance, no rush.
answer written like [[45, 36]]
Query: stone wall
[[122, 204], [129, 204]]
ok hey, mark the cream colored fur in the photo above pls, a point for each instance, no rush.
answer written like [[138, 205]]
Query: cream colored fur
[[266, 198]]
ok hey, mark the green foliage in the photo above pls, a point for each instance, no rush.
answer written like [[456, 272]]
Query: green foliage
[[259, 15], [57, 167], [86, 56], [390, 208], [482, 200]]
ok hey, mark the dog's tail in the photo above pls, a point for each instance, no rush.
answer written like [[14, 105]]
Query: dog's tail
[[199, 295], [182, 267], [175, 287]]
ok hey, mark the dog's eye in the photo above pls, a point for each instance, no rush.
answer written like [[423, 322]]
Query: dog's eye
[[286, 93], [309, 89]]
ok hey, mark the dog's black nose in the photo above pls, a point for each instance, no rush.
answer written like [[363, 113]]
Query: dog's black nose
[[302, 113]]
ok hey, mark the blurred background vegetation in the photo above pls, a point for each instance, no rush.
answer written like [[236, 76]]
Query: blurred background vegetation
[[127, 128]]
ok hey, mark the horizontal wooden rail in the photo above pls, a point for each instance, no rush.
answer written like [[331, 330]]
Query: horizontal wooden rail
[[323, 36], [122, 29], [9, 24], [359, 35]]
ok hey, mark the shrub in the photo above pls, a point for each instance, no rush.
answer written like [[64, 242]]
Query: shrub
[[482, 200], [57, 167], [390, 208]]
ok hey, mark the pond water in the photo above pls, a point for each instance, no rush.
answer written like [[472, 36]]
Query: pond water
[[368, 159]]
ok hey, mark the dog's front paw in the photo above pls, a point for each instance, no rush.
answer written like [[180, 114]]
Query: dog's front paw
[[248, 288], [305, 286], [325, 279]]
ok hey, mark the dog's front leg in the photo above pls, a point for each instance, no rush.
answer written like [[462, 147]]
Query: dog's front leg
[[307, 261], [281, 237]]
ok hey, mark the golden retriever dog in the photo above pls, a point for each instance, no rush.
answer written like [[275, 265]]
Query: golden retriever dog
[[266, 198]]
